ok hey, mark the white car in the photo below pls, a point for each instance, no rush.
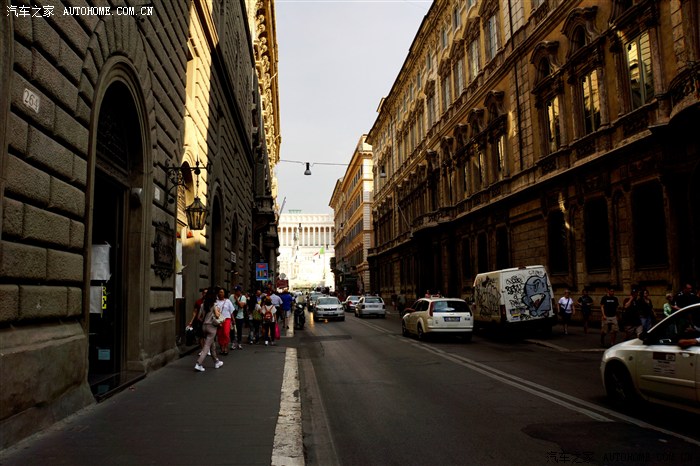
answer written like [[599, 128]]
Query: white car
[[329, 307], [370, 305], [654, 367], [438, 315]]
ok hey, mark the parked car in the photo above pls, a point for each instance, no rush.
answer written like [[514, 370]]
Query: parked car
[[438, 315], [654, 367], [350, 303], [328, 307], [370, 305]]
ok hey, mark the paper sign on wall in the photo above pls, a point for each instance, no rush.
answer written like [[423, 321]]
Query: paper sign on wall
[[100, 263], [97, 299]]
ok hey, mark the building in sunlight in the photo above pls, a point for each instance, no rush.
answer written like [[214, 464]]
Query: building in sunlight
[[549, 132], [351, 202], [135, 168]]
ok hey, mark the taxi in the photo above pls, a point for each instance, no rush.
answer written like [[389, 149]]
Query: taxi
[[661, 366]]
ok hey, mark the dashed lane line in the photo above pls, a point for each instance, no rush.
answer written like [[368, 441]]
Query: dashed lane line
[[591, 410]]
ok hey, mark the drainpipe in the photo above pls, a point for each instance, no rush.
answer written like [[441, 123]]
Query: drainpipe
[[517, 87]]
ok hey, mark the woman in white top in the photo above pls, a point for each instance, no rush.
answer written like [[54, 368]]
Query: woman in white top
[[223, 332], [566, 309]]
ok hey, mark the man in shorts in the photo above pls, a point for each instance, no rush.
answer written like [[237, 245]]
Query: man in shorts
[[608, 310]]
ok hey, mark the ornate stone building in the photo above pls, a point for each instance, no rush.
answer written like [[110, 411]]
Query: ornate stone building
[[560, 132], [261, 18], [351, 202], [116, 131]]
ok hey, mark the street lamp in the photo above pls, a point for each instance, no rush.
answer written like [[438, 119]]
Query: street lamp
[[310, 164], [196, 212]]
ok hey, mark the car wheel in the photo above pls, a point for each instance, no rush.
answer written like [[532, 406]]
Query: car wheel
[[618, 385], [404, 330], [342, 319], [419, 332], [468, 337]]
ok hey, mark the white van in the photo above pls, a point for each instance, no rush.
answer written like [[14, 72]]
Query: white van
[[515, 298]]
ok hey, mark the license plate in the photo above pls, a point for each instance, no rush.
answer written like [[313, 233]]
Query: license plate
[[451, 319]]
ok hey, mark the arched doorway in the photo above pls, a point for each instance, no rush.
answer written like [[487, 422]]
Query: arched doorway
[[116, 238]]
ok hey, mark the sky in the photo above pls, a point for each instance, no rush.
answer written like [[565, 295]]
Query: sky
[[337, 59]]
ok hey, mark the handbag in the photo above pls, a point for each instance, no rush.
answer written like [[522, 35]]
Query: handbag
[[217, 317], [277, 331]]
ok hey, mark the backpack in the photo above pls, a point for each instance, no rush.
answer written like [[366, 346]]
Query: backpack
[[268, 315]]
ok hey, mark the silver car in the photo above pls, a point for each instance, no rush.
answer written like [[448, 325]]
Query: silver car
[[661, 366], [370, 305], [329, 307]]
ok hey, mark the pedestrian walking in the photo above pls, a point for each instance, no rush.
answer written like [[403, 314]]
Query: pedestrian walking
[[685, 297], [631, 321], [287, 300], [223, 331], [195, 322], [646, 310], [269, 312], [608, 309], [401, 303], [566, 310], [239, 304], [256, 318], [586, 304], [207, 314], [668, 305], [277, 302]]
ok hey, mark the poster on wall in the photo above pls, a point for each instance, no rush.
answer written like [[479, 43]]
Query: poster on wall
[[261, 271], [98, 299], [178, 266], [99, 269]]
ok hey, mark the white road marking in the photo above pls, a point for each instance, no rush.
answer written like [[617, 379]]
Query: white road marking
[[599, 413], [288, 447]]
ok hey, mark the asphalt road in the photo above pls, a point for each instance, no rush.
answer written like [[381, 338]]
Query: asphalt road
[[371, 396]]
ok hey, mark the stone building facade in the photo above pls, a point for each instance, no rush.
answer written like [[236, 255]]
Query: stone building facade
[[99, 270], [559, 132], [351, 202], [306, 249], [261, 18]]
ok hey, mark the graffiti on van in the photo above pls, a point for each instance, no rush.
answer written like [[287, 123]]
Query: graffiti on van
[[528, 294], [487, 297]]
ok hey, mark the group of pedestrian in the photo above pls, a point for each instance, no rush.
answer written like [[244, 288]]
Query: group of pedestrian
[[635, 316], [218, 321]]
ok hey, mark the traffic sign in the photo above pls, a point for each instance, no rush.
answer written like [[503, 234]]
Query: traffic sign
[[261, 271]]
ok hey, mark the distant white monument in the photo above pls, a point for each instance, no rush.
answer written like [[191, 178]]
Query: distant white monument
[[306, 248]]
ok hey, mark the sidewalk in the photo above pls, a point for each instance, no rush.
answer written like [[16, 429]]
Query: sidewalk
[[178, 416], [575, 341]]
